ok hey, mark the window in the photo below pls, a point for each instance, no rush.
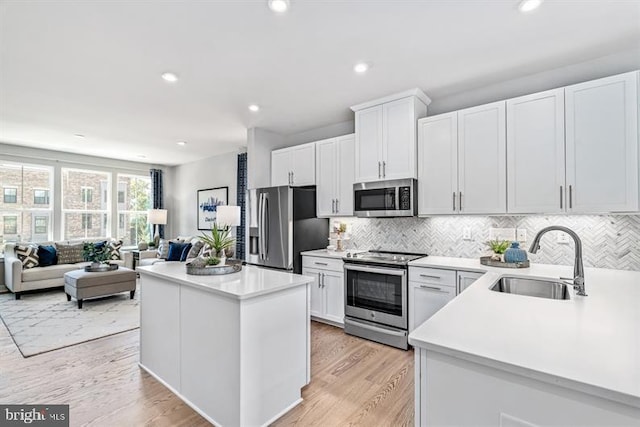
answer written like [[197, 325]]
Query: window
[[10, 225], [40, 225], [86, 221], [86, 193], [40, 197], [10, 195], [83, 215], [133, 226], [26, 193]]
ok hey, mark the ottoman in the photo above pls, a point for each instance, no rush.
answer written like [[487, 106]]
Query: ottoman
[[81, 284]]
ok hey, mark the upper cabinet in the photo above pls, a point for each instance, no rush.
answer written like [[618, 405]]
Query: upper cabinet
[[535, 153], [462, 162], [334, 163], [602, 145], [295, 166], [385, 139]]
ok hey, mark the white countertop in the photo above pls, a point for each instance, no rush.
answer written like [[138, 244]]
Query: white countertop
[[250, 282], [323, 253], [591, 344]]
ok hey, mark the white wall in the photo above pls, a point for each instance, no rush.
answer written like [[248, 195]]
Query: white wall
[[182, 184]]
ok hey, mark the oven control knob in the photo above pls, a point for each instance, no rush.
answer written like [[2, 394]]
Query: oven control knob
[[402, 258], [395, 258], [373, 314]]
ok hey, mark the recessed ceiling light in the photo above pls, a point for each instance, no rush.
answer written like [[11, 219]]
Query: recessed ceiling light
[[170, 77], [181, 143], [529, 5], [279, 6], [254, 108], [78, 135], [141, 156], [361, 67]]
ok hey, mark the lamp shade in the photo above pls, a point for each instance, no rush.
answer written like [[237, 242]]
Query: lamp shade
[[158, 216], [228, 216]]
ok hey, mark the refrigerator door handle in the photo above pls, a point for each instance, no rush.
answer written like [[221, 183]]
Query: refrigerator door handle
[[260, 227], [265, 220]]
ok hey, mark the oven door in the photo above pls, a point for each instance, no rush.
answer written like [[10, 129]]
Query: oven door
[[376, 294]]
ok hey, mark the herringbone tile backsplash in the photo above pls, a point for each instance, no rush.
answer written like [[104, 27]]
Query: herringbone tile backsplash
[[609, 241]]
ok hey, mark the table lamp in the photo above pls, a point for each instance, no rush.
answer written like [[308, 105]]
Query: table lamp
[[227, 216], [157, 217]]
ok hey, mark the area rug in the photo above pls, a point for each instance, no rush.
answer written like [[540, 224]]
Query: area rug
[[46, 321]]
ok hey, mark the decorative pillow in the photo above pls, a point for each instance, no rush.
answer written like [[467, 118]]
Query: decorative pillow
[[28, 255], [114, 249], [70, 253], [47, 256], [207, 251], [196, 247], [177, 250], [163, 247]]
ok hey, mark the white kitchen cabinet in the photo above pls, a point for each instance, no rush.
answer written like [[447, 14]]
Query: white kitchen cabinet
[[482, 172], [466, 279], [602, 145], [430, 289], [438, 164], [386, 136], [294, 166], [327, 290], [535, 153], [334, 165], [462, 162]]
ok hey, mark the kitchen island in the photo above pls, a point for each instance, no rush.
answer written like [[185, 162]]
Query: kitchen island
[[234, 347], [490, 358]]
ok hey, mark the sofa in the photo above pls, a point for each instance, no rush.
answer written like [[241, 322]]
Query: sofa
[[19, 279], [160, 255]]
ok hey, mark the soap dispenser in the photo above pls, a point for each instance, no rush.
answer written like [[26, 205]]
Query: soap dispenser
[[515, 254]]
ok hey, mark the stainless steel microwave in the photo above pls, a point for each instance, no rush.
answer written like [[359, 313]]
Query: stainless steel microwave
[[386, 198]]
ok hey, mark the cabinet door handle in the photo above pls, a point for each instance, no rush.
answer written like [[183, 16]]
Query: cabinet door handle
[[430, 277], [292, 178], [571, 197], [333, 205], [454, 201], [561, 197], [320, 263], [433, 288], [319, 279], [384, 169], [379, 173], [323, 280], [337, 205], [460, 201]]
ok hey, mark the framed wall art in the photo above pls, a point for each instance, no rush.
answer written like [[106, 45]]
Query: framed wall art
[[208, 202]]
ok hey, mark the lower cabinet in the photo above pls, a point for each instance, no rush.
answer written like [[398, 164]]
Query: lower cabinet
[[430, 289], [327, 289]]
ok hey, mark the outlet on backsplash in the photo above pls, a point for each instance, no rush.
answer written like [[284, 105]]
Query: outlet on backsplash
[[521, 235], [466, 233], [562, 238], [502, 234]]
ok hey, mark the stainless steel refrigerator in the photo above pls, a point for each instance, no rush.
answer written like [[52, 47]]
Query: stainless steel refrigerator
[[282, 223]]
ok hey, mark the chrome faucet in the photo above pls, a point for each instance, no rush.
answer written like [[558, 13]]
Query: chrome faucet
[[578, 268]]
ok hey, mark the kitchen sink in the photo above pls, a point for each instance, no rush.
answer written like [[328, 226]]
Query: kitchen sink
[[532, 287]]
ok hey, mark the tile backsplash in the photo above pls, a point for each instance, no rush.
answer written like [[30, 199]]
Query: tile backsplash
[[609, 241]]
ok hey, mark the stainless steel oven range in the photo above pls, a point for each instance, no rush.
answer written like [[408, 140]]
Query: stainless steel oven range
[[376, 296]]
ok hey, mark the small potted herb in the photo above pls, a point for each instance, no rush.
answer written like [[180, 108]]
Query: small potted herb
[[96, 253], [498, 247], [220, 241]]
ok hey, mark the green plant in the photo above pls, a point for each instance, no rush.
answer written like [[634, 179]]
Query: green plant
[[213, 261], [498, 246], [219, 240], [95, 252]]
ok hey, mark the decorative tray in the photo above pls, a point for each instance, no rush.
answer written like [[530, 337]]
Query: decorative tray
[[486, 260], [102, 268], [230, 266]]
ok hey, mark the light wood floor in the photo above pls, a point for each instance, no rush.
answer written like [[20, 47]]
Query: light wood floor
[[354, 382]]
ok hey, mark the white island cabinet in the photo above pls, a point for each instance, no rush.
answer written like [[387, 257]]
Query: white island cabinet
[[235, 347], [496, 359]]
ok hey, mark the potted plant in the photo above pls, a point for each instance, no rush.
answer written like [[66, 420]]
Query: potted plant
[[220, 241], [97, 253], [498, 247]]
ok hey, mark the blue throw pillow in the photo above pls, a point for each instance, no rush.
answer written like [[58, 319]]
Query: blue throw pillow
[[176, 250], [47, 255], [185, 252]]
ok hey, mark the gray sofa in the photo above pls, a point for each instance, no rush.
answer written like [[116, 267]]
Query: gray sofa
[[19, 280]]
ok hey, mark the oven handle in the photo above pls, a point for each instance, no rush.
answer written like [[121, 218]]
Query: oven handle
[[389, 271]]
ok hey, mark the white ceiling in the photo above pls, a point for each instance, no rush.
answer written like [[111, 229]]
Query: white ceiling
[[93, 67]]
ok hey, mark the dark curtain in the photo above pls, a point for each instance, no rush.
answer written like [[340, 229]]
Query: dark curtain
[[157, 201], [242, 202]]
